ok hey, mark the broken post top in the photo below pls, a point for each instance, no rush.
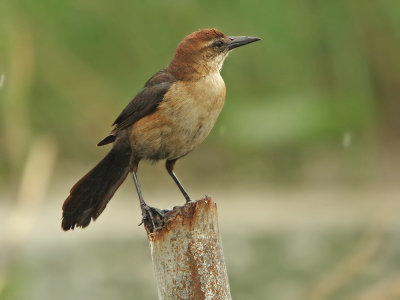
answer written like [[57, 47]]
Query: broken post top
[[164, 220]]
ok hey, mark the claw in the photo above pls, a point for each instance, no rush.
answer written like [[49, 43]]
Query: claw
[[153, 218]]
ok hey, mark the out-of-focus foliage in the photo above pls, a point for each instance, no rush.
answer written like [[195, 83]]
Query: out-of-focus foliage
[[324, 68], [313, 106]]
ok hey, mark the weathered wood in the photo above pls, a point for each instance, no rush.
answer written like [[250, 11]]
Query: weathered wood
[[187, 253]]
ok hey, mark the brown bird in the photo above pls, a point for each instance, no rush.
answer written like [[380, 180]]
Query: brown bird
[[171, 116]]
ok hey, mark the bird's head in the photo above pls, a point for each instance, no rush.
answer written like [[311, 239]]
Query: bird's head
[[204, 51]]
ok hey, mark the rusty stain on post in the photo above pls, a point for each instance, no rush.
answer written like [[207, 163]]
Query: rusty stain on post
[[187, 253]]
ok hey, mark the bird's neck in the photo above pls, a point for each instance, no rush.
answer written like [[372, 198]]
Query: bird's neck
[[193, 67], [191, 72]]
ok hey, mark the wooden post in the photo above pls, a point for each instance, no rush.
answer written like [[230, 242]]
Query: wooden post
[[187, 253]]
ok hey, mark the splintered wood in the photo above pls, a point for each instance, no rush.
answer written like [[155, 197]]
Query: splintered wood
[[187, 254]]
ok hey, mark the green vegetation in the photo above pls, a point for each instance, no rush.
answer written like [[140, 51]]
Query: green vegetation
[[324, 68]]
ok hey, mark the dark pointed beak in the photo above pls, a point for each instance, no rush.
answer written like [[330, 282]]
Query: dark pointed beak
[[237, 41]]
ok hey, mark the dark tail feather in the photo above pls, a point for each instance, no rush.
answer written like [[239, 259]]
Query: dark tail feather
[[107, 140], [90, 195]]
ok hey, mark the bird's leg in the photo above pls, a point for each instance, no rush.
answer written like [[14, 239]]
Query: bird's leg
[[143, 205], [169, 164], [153, 214]]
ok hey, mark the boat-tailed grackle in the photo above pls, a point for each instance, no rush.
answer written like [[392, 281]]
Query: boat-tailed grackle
[[171, 116]]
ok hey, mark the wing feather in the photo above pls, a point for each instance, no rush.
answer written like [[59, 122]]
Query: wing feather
[[144, 103]]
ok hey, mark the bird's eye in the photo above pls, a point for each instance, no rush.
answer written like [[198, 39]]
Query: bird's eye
[[218, 44]]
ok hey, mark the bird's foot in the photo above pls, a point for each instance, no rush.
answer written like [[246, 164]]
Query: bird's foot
[[153, 218]]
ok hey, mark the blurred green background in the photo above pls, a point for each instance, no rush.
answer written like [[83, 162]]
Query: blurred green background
[[303, 161]]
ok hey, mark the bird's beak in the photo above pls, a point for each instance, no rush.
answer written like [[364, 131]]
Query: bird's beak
[[237, 41]]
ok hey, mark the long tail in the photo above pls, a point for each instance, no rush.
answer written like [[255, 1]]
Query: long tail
[[90, 195]]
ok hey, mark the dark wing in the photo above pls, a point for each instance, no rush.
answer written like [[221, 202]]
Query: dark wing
[[143, 104]]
